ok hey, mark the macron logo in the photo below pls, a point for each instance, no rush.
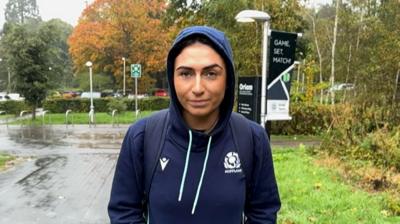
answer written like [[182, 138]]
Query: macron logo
[[163, 162]]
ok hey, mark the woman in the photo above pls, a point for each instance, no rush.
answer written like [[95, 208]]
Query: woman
[[195, 181]]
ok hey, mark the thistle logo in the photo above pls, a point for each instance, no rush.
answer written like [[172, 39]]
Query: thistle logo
[[232, 163]]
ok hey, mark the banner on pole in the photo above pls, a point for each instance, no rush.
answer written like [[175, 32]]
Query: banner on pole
[[281, 63]]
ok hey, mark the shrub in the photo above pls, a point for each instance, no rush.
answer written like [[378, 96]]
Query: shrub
[[13, 107], [102, 104], [307, 119], [118, 105], [367, 133]]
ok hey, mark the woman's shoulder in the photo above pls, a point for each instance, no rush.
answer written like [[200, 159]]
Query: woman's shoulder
[[256, 129]]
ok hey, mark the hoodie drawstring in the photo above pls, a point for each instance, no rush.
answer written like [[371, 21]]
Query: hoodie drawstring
[[202, 176], [186, 166]]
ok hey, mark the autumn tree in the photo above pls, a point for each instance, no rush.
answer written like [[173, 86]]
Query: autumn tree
[[111, 29]]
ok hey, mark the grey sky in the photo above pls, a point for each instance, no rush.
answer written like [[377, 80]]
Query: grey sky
[[70, 10]]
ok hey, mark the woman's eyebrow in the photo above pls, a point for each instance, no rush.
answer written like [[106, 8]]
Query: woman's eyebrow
[[213, 66], [205, 68], [183, 67]]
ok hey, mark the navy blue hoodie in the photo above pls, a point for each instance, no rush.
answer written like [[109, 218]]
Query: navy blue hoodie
[[198, 179]]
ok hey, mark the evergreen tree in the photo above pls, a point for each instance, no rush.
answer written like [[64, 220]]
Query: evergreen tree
[[29, 55]]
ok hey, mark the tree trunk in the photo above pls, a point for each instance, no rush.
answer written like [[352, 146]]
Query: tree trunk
[[357, 46], [319, 57], [332, 79], [34, 111], [348, 72], [396, 85]]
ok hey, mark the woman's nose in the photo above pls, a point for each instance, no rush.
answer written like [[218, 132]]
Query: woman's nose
[[198, 85]]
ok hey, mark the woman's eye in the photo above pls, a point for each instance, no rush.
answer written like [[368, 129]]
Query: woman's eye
[[211, 75], [185, 74]]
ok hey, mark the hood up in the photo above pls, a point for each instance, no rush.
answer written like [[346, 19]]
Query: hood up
[[223, 48]]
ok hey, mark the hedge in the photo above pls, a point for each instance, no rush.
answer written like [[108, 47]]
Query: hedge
[[100, 105], [13, 107], [307, 119]]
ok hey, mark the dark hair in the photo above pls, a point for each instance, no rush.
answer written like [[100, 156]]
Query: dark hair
[[190, 40]]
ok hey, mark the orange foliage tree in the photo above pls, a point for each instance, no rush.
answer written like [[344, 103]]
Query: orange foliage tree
[[111, 29]]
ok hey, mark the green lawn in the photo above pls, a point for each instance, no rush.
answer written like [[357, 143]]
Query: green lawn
[[3, 159], [6, 116], [312, 194], [83, 118]]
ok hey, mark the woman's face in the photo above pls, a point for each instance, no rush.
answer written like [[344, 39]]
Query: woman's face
[[200, 81]]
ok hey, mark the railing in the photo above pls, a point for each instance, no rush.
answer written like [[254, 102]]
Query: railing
[[114, 118], [22, 114], [67, 113], [43, 115], [3, 112]]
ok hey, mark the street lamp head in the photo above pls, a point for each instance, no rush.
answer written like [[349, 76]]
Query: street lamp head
[[247, 16], [123, 58], [89, 64]]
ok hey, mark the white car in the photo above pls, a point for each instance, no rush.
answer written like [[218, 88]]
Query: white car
[[342, 86], [10, 96], [96, 95]]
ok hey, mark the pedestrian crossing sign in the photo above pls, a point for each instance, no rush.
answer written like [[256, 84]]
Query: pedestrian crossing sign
[[136, 70]]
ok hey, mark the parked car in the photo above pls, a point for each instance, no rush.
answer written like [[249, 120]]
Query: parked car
[[10, 96], [342, 86], [70, 94], [160, 92], [96, 95]]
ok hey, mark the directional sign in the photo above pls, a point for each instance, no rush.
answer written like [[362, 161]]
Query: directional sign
[[249, 97], [136, 70]]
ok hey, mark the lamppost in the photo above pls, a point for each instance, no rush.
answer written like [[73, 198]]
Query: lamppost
[[9, 78], [252, 16], [91, 113], [123, 59]]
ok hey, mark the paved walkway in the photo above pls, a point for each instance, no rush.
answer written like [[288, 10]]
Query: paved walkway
[[65, 176]]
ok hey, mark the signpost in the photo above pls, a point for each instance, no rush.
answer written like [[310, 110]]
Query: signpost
[[281, 63], [249, 98], [136, 72]]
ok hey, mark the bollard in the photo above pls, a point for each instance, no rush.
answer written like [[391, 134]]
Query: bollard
[[66, 118], [22, 114], [113, 116], [92, 119], [43, 115]]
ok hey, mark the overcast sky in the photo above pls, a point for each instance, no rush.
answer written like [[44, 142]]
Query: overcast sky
[[70, 10]]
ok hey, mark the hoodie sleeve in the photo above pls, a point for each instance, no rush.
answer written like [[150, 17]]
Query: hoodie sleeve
[[125, 204], [263, 203]]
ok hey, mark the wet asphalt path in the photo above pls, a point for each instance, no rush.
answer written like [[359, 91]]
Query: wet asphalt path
[[65, 176]]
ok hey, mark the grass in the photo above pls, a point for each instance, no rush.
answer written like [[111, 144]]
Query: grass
[[314, 194], [6, 116], [295, 138], [83, 118], [3, 159]]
